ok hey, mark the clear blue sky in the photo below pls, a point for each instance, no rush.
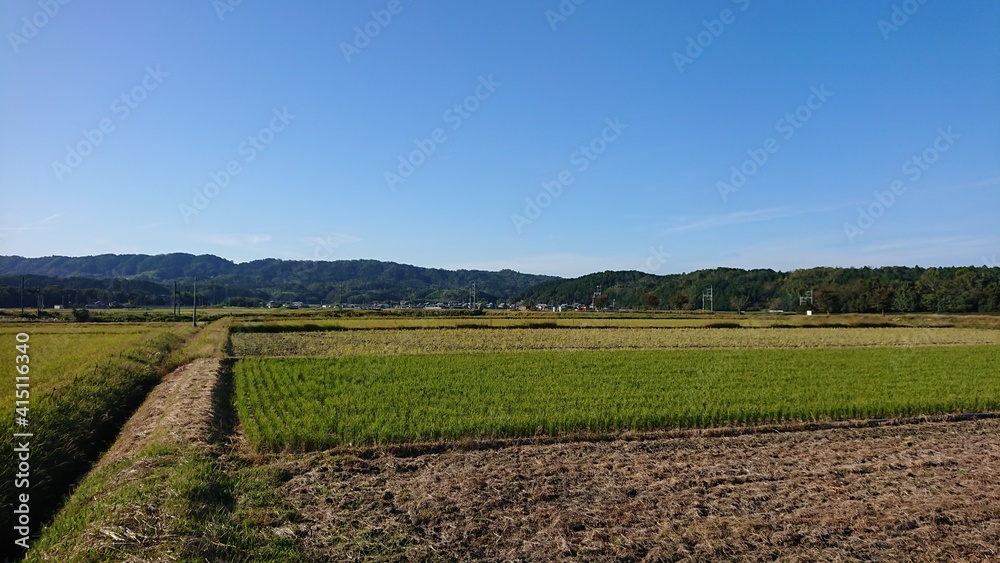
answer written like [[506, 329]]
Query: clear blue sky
[[837, 102]]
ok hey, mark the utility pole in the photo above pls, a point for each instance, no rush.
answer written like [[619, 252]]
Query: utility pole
[[22, 296], [808, 298], [195, 299], [342, 296], [173, 301]]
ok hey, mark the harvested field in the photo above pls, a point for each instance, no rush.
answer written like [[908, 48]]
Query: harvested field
[[380, 342], [911, 492]]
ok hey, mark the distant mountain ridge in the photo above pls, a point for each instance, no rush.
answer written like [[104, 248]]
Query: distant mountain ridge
[[144, 279], [302, 280]]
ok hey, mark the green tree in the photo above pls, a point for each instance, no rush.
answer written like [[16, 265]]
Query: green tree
[[880, 297], [905, 298], [680, 301], [930, 286], [826, 300]]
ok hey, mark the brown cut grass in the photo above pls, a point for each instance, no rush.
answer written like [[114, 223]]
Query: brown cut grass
[[911, 492]]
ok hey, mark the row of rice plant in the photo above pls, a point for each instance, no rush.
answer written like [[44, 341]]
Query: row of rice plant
[[311, 403]]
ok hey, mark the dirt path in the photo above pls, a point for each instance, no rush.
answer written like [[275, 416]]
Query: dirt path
[[179, 411], [913, 492]]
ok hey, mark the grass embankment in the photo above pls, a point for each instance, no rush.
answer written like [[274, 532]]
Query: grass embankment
[[315, 403], [174, 503], [169, 489], [86, 381], [84, 384]]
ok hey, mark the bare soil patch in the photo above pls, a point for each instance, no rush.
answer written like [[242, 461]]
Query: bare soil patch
[[911, 492]]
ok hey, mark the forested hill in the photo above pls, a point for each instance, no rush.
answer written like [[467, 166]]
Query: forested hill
[[146, 280], [361, 281], [902, 289]]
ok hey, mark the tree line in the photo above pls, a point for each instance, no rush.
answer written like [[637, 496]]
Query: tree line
[[828, 290], [833, 290]]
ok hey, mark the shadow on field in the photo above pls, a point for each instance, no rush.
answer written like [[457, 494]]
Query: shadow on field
[[224, 418]]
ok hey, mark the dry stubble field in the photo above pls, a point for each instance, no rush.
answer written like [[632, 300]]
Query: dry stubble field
[[913, 491], [910, 492]]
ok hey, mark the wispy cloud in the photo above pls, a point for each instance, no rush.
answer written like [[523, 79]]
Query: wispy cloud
[[950, 189], [932, 250], [33, 226], [234, 240], [746, 216], [797, 253]]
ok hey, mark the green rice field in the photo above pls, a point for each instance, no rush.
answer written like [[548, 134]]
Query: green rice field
[[314, 403]]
